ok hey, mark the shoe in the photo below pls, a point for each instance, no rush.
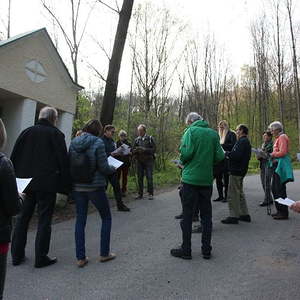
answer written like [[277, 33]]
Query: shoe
[[245, 218], [218, 199], [18, 261], [109, 257], [150, 197], [82, 262], [195, 218], [206, 255], [138, 197], [274, 214], [280, 217], [178, 217], [197, 229], [224, 200], [123, 207], [45, 262], [230, 220], [178, 252]]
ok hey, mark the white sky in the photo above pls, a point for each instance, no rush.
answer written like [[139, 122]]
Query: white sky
[[228, 19]]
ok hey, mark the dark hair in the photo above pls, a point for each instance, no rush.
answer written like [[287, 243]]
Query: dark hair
[[108, 127], [244, 128], [93, 127], [268, 133]]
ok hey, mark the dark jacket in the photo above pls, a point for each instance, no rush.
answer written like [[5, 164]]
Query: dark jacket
[[239, 157], [229, 142], [126, 159], [144, 148], [9, 198], [268, 148], [97, 156], [109, 144], [40, 153]]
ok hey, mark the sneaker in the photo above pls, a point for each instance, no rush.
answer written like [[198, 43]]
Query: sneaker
[[109, 257], [230, 220], [197, 229], [245, 218], [150, 197], [178, 252], [178, 217], [82, 262]]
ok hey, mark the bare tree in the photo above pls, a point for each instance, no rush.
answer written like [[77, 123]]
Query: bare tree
[[112, 78]]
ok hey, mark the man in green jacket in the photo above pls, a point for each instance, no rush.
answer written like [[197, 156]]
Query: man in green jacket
[[200, 150]]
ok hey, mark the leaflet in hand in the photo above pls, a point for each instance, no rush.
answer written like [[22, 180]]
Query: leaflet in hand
[[22, 184], [260, 153], [285, 201], [114, 162], [122, 150]]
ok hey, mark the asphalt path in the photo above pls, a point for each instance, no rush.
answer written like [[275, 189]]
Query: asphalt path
[[260, 260]]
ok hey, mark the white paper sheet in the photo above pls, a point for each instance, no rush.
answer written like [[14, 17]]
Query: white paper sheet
[[22, 184], [114, 162], [285, 201]]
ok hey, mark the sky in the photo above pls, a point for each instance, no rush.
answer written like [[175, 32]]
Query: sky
[[229, 20]]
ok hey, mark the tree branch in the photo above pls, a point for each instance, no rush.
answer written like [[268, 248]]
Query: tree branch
[[108, 6], [97, 72]]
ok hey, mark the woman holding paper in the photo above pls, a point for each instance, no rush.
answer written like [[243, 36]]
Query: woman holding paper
[[90, 143], [283, 172], [9, 205]]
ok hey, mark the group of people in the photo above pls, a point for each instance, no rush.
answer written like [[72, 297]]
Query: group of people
[[40, 153], [206, 155]]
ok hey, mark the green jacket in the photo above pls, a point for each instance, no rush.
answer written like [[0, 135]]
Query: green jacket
[[200, 150]]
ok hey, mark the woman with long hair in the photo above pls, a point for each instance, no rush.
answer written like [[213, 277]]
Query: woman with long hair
[[227, 141]]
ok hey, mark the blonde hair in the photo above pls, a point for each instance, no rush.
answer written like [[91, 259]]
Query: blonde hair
[[223, 132], [122, 133], [3, 135]]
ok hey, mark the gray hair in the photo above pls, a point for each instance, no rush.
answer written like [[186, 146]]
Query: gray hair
[[122, 133], [48, 113], [276, 125], [142, 126], [3, 135], [192, 117]]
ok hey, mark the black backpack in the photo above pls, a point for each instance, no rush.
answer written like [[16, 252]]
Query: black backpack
[[81, 167]]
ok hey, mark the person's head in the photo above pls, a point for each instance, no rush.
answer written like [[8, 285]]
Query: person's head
[[109, 131], [141, 130], [49, 113], [267, 136], [192, 117], [123, 135], [93, 127], [276, 128], [3, 135], [223, 130], [241, 130]]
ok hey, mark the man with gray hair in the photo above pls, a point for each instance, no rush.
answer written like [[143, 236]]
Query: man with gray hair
[[40, 153], [200, 150]]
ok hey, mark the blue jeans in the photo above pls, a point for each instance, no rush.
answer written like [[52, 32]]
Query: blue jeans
[[100, 201]]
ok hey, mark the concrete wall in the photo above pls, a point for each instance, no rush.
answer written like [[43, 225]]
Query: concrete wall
[[56, 90]]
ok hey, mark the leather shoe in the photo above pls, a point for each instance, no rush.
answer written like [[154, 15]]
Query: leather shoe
[[123, 207], [280, 217], [178, 252], [245, 218], [218, 199], [224, 200], [178, 217], [45, 262], [230, 220], [18, 261], [206, 255]]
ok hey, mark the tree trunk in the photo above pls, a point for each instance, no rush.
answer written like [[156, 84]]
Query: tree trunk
[[112, 79]]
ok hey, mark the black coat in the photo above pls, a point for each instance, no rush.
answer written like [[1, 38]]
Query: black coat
[[126, 159], [9, 198], [229, 142], [40, 153], [239, 157]]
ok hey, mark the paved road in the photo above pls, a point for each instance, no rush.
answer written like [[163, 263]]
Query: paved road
[[260, 260]]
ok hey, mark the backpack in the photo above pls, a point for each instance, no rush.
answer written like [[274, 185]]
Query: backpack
[[81, 167]]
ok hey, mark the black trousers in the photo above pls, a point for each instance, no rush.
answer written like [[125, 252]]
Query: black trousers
[[192, 195], [115, 183], [3, 263], [279, 191], [222, 178], [142, 169], [196, 207], [45, 202]]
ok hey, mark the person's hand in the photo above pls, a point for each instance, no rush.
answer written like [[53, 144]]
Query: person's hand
[[180, 166], [296, 207]]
